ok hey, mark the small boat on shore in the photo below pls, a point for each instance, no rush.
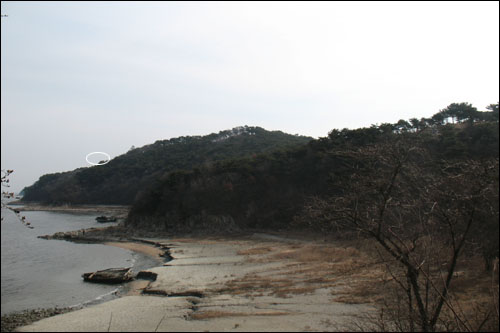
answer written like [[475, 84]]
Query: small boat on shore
[[104, 219], [110, 275]]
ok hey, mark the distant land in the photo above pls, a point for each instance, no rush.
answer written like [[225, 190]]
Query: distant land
[[120, 180]]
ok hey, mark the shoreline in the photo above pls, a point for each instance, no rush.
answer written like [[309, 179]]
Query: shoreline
[[107, 235], [150, 250], [252, 282], [137, 285], [119, 211], [207, 267], [13, 320]]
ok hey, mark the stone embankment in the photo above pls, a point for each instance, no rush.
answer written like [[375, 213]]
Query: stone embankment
[[112, 236], [83, 235]]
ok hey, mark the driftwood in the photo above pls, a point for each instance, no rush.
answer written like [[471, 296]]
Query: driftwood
[[110, 275]]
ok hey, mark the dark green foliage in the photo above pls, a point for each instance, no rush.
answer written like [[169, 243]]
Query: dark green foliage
[[461, 112], [119, 181], [259, 191], [249, 177], [458, 141], [268, 190]]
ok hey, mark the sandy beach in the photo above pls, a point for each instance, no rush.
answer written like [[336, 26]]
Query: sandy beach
[[244, 282], [256, 282]]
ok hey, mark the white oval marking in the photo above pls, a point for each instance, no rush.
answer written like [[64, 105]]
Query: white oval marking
[[97, 152]]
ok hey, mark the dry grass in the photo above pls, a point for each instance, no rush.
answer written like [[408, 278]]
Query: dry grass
[[361, 292], [473, 295], [354, 274], [352, 271], [470, 294], [288, 292], [255, 250], [206, 315], [317, 253], [306, 268], [251, 285]]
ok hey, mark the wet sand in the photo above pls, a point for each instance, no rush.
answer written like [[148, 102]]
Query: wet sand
[[146, 249], [135, 287]]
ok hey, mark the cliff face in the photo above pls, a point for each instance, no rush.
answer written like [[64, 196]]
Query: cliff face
[[119, 181]]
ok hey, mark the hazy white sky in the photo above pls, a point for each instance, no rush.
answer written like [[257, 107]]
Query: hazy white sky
[[80, 77]]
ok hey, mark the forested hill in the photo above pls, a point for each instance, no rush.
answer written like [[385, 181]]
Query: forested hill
[[272, 190], [119, 181]]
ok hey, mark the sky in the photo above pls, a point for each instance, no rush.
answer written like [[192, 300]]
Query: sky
[[82, 77]]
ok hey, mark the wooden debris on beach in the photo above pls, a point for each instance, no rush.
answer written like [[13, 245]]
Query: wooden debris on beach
[[110, 275]]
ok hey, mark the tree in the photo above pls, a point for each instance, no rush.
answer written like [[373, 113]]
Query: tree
[[416, 124], [9, 195], [494, 111], [386, 128], [5, 183], [402, 126], [438, 118], [462, 112], [421, 214]]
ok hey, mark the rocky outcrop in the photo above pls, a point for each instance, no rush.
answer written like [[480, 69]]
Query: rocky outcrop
[[82, 235], [114, 233], [147, 275], [109, 276]]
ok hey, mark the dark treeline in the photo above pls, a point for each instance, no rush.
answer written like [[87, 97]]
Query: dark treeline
[[119, 181], [270, 190]]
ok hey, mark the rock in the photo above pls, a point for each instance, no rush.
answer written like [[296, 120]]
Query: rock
[[146, 275], [110, 275]]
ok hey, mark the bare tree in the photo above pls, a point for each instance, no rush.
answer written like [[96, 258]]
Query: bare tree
[[421, 212], [8, 195]]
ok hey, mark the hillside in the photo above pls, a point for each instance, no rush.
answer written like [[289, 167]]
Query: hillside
[[397, 185], [119, 181], [270, 190]]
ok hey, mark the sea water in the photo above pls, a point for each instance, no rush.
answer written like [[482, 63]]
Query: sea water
[[40, 273]]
